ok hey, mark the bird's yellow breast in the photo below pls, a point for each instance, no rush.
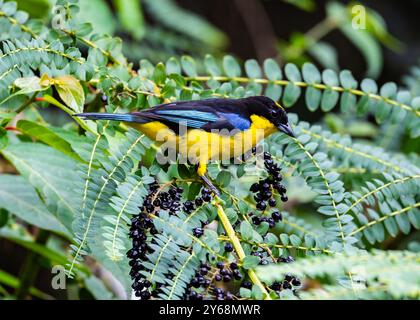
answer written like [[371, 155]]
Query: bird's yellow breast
[[203, 145]]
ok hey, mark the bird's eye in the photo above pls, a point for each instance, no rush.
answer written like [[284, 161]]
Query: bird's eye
[[274, 113], [283, 118]]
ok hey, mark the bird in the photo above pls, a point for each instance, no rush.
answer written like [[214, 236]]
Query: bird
[[208, 129]]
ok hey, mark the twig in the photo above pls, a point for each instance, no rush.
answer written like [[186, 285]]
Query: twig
[[238, 248]]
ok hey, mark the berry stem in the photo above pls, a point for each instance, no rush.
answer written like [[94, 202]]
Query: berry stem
[[238, 248]]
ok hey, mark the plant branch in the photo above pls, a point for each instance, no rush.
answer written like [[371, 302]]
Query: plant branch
[[302, 84], [383, 218], [238, 248]]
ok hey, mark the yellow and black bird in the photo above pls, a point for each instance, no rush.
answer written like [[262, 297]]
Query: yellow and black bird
[[209, 129]]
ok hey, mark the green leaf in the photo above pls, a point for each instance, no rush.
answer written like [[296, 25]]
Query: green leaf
[[292, 72], [31, 84], [252, 69], [9, 8], [250, 262], [231, 67], [325, 53], [330, 78], [245, 293], [347, 80], [389, 90], [284, 239], [368, 46], [71, 92], [189, 66], [223, 178], [310, 73], [97, 288], [383, 109], [246, 230], [13, 282], [159, 74], [369, 86], [21, 199], [291, 94], [130, 15], [329, 100], [312, 98], [52, 173], [98, 14], [47, 136], [256, 293], [391, 226], [5, 117], [273, 91], [84, 29], [211, 65], [168, 13], [415, 103], [173, 67], [348, 101], [272, 70]]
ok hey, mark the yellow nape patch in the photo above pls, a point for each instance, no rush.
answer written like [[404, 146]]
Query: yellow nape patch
[[278, 105]]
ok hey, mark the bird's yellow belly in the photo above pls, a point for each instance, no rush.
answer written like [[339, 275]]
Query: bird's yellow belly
[[201, 146]]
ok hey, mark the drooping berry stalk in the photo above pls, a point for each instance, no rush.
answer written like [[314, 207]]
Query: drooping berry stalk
[[238, 247]]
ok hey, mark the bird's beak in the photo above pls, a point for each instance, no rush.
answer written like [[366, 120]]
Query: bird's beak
[[287, 129]]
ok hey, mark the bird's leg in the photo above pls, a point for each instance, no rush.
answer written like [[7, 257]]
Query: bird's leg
[[202, 170], [210, 185]]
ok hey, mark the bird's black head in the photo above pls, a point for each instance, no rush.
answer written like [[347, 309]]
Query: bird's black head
[[272, 111]]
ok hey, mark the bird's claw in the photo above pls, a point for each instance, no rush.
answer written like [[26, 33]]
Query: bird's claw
[[210, 185]]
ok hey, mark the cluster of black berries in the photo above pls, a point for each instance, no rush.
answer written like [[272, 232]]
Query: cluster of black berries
[[262, 256], [140, 226], [287, 259], [227, 273], [246, 284], [199, 281], [289, 282], [264, 188], [204, 277], [221, 294], [168, 200], [189, 206], [275, 217], [264, 259]]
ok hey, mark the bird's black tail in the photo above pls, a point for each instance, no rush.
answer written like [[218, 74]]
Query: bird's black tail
[[127, 117]]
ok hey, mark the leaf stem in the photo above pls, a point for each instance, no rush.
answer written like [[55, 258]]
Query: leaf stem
[[91, 44], [25, 104], [319, 86], [58, 104], [238, 248], [383, 218]]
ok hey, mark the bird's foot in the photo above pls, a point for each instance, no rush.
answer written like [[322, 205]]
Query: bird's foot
[[210, 185]]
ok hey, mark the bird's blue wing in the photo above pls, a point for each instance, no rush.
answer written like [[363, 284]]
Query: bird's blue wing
[[206, 115], [238, 121], [190, 118], [191, 114]]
